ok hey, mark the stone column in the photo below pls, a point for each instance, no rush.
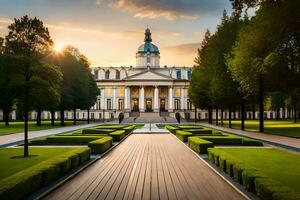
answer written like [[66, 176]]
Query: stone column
[[114, 100], [170, 98], [102, 103], [155, 107], [142, 99], [182, 103], [127, 98]]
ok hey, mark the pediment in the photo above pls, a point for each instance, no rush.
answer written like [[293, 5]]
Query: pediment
[[148, 75]]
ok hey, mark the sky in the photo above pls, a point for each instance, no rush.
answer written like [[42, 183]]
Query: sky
[[109, 32]]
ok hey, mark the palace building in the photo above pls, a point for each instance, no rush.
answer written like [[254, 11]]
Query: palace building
[[145, 90]]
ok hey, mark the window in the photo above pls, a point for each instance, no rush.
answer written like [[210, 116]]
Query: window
[[117, 74], [189, 74], [108, 104], [96, 74], [178, 74], [121, 104], [107, 74], [177, 104]]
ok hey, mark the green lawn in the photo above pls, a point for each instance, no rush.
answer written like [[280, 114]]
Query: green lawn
[[275, 165], [16, 127], [283, 127], [10, 166]]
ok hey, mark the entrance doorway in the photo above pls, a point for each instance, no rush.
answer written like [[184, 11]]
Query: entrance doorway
[[162, 105], [148, 105], [135, 104]]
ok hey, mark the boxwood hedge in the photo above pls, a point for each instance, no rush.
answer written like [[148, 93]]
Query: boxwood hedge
[[117, 135], [31, 179], [199, 145], [100, 145]]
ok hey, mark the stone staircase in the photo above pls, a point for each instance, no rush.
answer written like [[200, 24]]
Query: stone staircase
[[149, 117]]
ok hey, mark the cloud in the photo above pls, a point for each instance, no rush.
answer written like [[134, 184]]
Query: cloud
[[169, 9], [183, 49]]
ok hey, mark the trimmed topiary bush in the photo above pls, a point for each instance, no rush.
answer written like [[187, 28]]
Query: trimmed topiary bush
[[224, 139], [101, 145], [77, 140], [251, 142], [117, 135], [199, 145], [23, 183], [172, 129], [97, 131], [129, 129]]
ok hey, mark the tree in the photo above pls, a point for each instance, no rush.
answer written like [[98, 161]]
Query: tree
[[277, 102], [29, 41], [1, 45], [252, 60], [93, 93]]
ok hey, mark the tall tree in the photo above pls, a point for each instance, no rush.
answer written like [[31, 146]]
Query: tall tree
[[256, 48], [30, 42]]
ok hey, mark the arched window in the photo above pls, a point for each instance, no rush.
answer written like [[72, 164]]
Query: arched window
[[107, 74], [178, 74], [117, 74], [189, 74]]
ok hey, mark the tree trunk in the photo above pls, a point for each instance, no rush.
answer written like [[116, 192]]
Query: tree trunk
[[26, 102], [277, 114], [210, 115], [234, 111], [52, 117], [261, 104], [253, 111], [229, 110], [74, 117], [6, 116], [242, 114], [38, 117], [295, 113], [195, 114], [217, 116], [88, 116], [222, 117], [62, 117]]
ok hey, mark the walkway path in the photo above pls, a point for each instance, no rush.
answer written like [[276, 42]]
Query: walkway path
[[293, 143], [150, 128], [148, 166], [6, 140]]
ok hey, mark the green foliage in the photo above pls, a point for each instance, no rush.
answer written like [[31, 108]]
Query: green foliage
[[65, 140], [117, 135], [34, 174], [97, 131], [199, 145], [251, 167], [101, 145]]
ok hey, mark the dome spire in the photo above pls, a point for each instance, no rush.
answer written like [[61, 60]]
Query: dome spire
[[148, 35]]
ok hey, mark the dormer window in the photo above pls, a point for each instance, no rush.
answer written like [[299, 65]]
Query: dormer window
[[178, 74], [117, 74], [107, 74]]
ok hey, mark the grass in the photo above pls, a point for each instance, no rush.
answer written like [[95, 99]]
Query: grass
[[17, 127], [282, 127], [272, 164], [10, 166]]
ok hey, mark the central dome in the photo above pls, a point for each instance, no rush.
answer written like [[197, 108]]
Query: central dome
[[148, 47], [148, 54]]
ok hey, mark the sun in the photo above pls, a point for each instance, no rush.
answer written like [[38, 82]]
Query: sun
[[58, 48]]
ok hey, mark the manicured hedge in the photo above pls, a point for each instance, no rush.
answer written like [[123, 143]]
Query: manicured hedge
[[199, 131], [251, 142], [251, 178], [23, 183], [223, 140], [97, 131], [172, 129], [117, 135], [110, 127], [189, 127], [129, 129], [100, 145], [183, 135], [72, 140], [199, 145]]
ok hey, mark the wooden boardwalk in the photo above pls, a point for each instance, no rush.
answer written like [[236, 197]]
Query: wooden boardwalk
[[146, 166]]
